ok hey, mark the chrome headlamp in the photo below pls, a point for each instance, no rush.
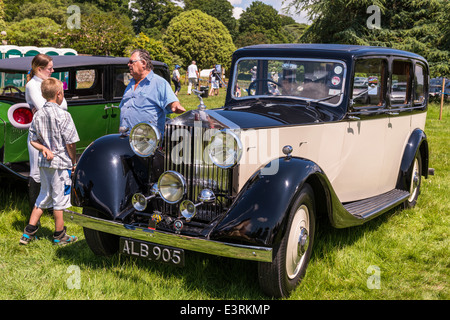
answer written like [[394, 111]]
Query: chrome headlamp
[[172, 186], [225, 149], [144, 139]]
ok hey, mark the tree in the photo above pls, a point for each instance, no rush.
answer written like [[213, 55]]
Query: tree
[[194, 35], [154, 47], [53, 10], [100, 33], [411, 25], [40, 32], [260, 18], [2, 16], [222, 10], [152, 17]]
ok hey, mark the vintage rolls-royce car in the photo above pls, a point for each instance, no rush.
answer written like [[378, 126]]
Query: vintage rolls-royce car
[[296, 141], [94, 86]]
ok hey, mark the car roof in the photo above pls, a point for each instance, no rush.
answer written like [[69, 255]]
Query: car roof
[[341, 49], [61, 62]]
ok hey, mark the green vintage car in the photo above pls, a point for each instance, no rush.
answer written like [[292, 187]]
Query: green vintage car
[[93, 85]]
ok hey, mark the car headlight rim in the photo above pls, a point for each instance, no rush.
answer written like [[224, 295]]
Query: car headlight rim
[[172, 192], [148, 138], [235, 156]]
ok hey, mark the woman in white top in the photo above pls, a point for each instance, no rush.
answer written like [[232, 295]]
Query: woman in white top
[[41, 69]]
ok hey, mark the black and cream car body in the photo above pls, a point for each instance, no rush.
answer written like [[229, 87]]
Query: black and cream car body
[[293, 143]]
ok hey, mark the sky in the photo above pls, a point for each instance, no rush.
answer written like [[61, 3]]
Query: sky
[[241, 5]]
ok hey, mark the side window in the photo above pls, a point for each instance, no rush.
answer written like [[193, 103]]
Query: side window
[[121, 80], [88, 85], [401, 82], [419, 84], [369, 83]]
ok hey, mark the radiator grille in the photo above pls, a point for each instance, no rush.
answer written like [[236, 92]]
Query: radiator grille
[[184, 152]]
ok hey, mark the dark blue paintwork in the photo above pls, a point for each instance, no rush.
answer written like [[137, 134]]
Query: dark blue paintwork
[[107, 175]]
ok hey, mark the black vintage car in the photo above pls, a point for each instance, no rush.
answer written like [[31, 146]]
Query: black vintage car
[[296, 141]]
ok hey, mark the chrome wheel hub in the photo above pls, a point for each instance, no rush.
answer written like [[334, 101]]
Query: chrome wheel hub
[[298, 242], [415, 180]]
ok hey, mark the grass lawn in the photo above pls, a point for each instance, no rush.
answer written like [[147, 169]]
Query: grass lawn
[[400, 255]]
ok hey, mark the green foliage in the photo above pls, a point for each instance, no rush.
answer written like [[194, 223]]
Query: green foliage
[[296, 30], [260, 18], [54, 10], [102, 33], [222, 10], [2, 16], [120, 6], [420, 26], [194, 35], [154, 47], [41, 32], [153, 16]]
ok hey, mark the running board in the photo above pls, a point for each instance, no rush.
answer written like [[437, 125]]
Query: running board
[[375, 205]]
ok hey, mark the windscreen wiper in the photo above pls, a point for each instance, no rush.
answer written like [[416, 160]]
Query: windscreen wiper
[[323, 99]]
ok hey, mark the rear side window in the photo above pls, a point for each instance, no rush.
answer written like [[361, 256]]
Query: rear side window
[[88, 85], [369, 83], [419, 84], [401, 82]]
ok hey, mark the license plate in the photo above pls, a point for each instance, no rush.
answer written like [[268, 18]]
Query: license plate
[[152, 251]]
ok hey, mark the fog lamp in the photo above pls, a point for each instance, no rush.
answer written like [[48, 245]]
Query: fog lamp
[[139, 201], [172, 186]]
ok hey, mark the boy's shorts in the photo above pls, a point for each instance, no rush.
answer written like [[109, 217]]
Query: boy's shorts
[[55, 189]]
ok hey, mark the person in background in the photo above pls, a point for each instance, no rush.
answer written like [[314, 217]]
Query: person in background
[[148, 97], [176, 77], [192, 74], [41, 69]]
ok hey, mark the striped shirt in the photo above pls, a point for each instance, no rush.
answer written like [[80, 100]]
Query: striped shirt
[[53, 127]]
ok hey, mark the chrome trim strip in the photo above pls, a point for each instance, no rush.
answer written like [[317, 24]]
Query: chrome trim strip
[[226, 122], [229, 250]]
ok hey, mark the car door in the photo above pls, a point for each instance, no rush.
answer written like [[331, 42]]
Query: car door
[[85, 95], [363, 147]]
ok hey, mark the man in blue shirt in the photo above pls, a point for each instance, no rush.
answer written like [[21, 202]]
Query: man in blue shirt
[[148, 97]]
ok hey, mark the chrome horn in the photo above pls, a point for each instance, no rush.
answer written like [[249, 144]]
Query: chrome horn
[[188, 209]]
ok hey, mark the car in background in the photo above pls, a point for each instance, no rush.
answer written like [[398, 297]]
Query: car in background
[[436, 88], [293, 144], [93, 85]]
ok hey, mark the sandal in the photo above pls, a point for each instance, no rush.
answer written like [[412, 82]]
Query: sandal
[[27, 237], [63, 238]]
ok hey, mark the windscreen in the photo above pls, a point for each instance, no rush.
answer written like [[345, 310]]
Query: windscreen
[[308, 79]]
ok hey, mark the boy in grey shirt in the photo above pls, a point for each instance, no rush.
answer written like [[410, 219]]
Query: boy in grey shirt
[[53, 134]]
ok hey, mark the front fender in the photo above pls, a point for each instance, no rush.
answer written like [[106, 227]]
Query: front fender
[[107, 175], [259, 213]]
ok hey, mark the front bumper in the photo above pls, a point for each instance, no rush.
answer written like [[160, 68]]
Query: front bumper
[[229, 250]]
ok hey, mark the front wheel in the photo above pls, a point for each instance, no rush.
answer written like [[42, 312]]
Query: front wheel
[[101, 243], [284, 273]]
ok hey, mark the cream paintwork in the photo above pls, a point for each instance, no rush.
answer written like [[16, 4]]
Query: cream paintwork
[[361, 158]]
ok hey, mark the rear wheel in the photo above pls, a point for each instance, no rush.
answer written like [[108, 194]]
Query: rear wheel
[[414, 182], [101, 243], [284, 273]]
